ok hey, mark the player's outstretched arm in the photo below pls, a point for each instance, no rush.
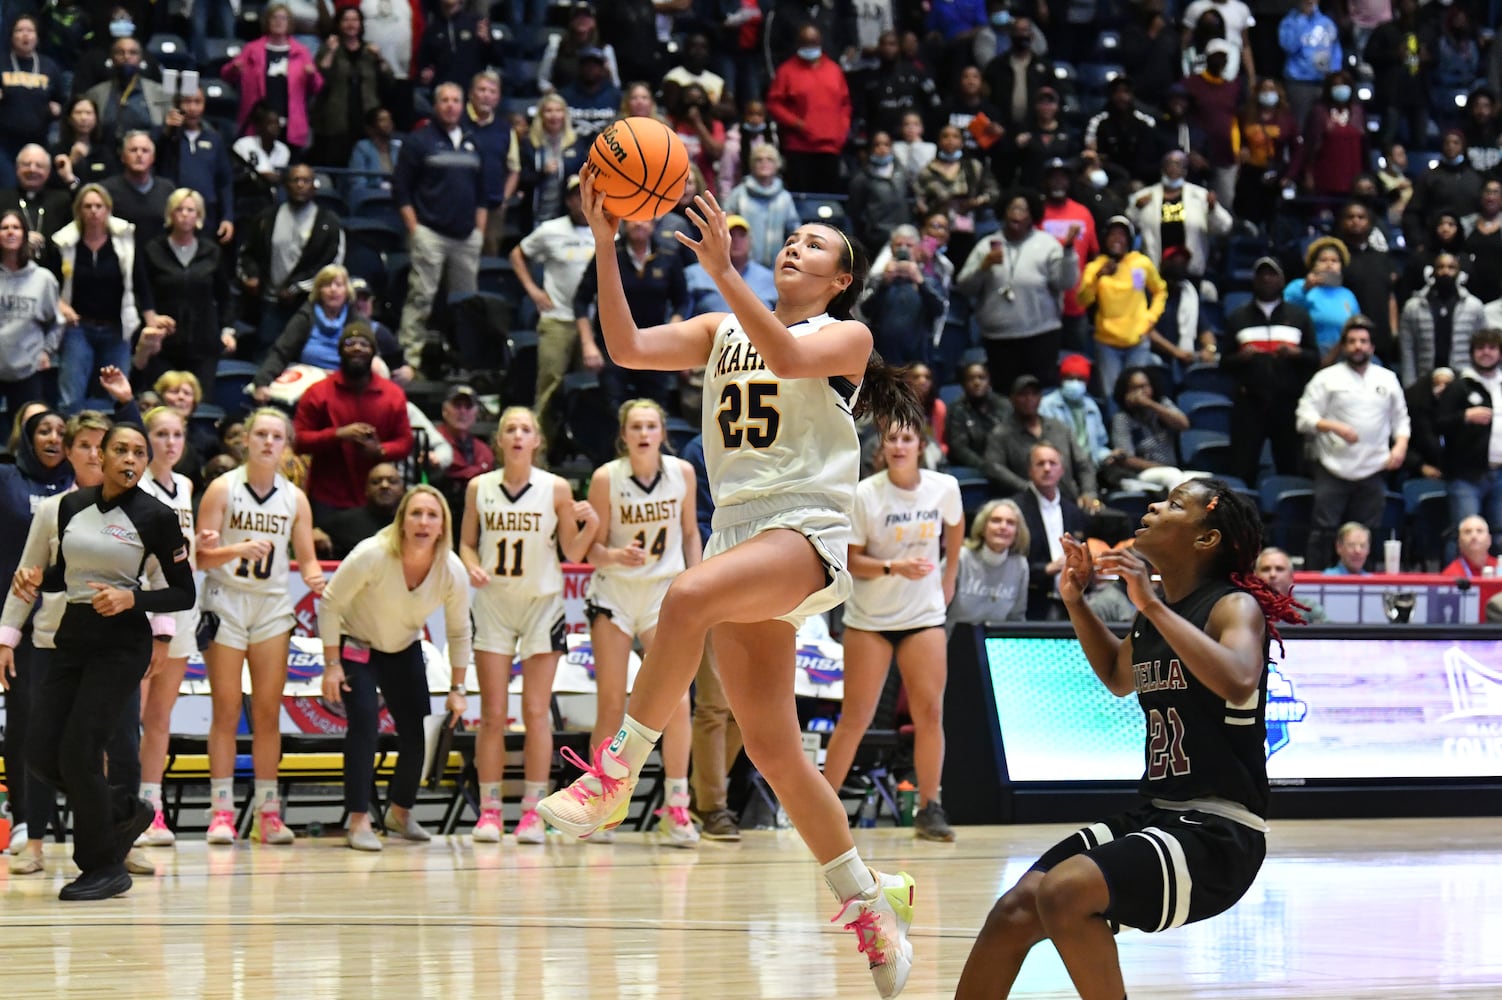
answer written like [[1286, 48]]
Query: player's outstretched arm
[[669, 347]]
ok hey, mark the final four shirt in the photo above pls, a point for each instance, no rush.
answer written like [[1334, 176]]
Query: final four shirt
[[894, 523], [1199, 745]]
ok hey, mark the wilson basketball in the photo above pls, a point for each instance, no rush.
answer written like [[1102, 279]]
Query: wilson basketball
[[641, 165]]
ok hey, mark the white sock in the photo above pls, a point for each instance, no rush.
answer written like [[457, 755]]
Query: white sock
[[268, 799], [222, 793], [490, 795], [152, 792], [533, 792], [633, 744], [847, 877], [677, 794]]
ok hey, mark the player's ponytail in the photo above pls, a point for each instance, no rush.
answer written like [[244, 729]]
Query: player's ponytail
[[887, 397]]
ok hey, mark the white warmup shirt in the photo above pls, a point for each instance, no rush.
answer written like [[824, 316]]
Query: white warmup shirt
[[894, 523]]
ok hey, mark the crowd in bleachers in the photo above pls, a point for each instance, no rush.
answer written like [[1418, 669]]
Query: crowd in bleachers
[[1132, 231]]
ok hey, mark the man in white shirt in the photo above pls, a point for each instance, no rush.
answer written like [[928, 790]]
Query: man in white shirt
[[1359, 419], [564, 247]]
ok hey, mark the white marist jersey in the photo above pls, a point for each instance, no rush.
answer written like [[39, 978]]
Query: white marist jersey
[[248, 517], [894, 523], [649, 513], [773, 439], [176, 494], [519, 535]]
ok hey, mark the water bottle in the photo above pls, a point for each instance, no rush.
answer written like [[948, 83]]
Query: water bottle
[[867, 817], [907, 803]]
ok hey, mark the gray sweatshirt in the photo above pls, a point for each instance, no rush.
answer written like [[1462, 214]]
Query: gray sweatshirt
[[29, 323], [1038, 271], [988, 590]]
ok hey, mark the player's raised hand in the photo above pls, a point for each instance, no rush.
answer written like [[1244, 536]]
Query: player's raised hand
[[713, 245], [1131, 568], [1074, 578], [602, 224]]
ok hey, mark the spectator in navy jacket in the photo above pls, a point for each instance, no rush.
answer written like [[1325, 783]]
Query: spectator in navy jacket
[[439, 188], [455, 46], [500, 153], [197, 157], [31, 97]]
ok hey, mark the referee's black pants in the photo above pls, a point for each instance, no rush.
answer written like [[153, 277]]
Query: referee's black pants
[[403, 681], [98, 664], [123, 750]]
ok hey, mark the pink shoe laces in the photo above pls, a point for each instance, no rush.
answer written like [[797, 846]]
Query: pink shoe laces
[[222, 818], [159, 822], [608, 785], [271, 822], [490, 816], [867, 931], [529, 817], [677, 815]]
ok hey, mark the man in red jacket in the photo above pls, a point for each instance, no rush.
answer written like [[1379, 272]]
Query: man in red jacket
[[349, 422], [810, 101]]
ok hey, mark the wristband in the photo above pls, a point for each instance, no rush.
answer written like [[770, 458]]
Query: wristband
[[886, 568]]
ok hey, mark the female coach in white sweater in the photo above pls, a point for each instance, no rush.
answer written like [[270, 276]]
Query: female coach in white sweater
[[371, 619]]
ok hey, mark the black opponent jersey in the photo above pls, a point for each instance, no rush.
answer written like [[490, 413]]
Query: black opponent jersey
[[1198, 744], [109, 541]]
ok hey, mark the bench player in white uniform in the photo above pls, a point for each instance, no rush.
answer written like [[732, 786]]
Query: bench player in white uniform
[[167, 432], [515, 518], [649, 533], [783, 460], [901, 595], [247, 519]]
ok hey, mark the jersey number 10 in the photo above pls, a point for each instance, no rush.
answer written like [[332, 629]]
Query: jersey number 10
[[739, 418], [260, 569]]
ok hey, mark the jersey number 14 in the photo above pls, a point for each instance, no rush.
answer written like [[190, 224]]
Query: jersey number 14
[[751, 416]]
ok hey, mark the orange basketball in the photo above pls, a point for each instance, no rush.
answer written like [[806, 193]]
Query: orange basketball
[[641, 165]]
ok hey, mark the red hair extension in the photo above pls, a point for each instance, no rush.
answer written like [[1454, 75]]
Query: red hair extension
[[1275, 607]]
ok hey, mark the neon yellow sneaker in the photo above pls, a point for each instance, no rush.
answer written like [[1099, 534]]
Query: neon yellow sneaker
[[600, 798], [881, 924]]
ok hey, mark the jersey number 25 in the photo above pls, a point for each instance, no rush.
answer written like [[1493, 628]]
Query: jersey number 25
[[752, 417]]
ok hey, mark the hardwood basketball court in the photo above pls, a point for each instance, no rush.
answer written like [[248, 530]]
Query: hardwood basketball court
[[1396, 909]]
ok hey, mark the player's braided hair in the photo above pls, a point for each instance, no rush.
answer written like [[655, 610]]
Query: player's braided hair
[[1240, 526]]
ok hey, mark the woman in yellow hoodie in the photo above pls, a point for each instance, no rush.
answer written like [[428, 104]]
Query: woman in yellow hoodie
[[1128, 295]]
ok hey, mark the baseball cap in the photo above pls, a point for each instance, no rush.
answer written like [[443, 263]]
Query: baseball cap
[[461, 391], [573, 183], [1124, 223], [737, 222], [1074, 366], [1022, 382], [592, 52], [1055, 163], [358, 329], [1269, 262], [361, 288], [1220, 45]]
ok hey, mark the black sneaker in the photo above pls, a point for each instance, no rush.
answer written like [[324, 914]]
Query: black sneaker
[[102, 883], [720, 825], [132, 826], [931, 824]]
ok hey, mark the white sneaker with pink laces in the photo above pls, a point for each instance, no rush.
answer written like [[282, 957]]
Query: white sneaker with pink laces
[[271, 829], [531, 829], [678, 827], [881, 924], [601, 797]]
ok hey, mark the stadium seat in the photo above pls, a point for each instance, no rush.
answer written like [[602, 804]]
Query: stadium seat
[[822, 208], [230, 379], [1289, 526], [1211, 416], [1427, 504], [1108, 46], [1235, 300], [170, 51], [1270, 488], [948, 394], [1095, 78], [1205, 451], [1394, 516], [375, 234], [220, 100], [218, 51], [974, 492], [1207, 378], [1188, 401], [1130, 503], [521, 77]]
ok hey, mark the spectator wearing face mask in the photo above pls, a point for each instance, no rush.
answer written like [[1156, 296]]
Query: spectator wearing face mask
[[1437, 322], [1071, 405], [1334, 138], [1320, 292], [1452, 185]]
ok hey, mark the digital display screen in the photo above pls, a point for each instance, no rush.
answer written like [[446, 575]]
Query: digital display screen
[[1338, 708]]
